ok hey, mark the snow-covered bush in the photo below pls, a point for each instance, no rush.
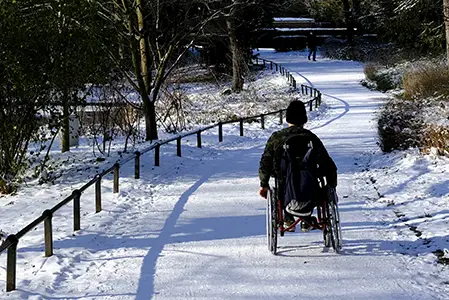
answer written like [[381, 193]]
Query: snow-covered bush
[[111, 116], [381, 78], [399, 125], [404, 123], [208, 102], [362, 49]]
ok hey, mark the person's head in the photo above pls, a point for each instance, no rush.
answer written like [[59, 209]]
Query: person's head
[[296, 113]]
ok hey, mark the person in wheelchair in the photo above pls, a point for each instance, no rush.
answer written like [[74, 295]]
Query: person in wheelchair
[[312, 163]]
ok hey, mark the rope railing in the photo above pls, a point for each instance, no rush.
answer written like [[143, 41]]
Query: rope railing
[[11, 242]]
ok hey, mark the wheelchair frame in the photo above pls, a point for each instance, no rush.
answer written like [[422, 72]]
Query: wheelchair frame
[[327, 215]]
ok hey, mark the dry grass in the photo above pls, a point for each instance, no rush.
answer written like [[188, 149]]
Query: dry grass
[[370, 71], [436, 137], [427, 80]]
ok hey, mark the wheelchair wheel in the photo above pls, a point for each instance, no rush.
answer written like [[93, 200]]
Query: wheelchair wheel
[[334, 221], [272, 226], [327, 235], [323, 216]]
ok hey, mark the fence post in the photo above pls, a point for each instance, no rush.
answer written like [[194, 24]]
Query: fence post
[[271, 65], [116, 177], [98, 195], [198, 139], [276, 65], [262, 121], [241, 127], [178, 146], [294, 83], [307, 91], [311, 105], [11, 263], [280, 118], [319, 97], [48, 232], [157, 151], [220, 131], [137, 165], [257, 61], [302, 89], [76, 210]]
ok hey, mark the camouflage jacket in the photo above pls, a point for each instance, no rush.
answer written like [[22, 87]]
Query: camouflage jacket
[[277, 139]]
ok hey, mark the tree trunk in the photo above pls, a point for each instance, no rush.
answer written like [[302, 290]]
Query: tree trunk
[[237, 57], [446, 24], [356, 16], [349, 26], [145, 78], [65, 145]]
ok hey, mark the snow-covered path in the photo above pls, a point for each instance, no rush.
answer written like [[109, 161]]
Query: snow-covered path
[[218, 248], [196, 230]]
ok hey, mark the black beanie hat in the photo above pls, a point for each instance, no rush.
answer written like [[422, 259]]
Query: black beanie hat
[[296, 113]]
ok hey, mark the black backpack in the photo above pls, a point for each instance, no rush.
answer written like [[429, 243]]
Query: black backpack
[[299, 168]]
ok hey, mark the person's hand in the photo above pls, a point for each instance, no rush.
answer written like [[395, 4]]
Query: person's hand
[[263, 192]]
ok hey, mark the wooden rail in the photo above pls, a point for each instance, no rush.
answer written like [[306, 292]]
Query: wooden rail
[[12, 240], [304, 89]]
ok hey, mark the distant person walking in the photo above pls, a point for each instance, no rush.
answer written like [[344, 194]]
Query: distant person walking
[[311, 44]]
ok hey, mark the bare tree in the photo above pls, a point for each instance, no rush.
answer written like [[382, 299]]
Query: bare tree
[[242, 17], [159, 34]]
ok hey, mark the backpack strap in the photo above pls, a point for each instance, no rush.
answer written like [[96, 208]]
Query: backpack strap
[[306, 157]]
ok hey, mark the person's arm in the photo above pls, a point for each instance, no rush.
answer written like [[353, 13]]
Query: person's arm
[[327, 164], [266, 163]]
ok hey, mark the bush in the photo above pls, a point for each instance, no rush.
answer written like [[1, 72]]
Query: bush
[[427, 79], [399, 125], [370, 71], [19, 124], [362, 49], [384, 82], [382, 79], [436, 137]]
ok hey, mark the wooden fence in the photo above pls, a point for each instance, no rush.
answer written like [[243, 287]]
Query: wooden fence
[[305, 90], [11, 242]]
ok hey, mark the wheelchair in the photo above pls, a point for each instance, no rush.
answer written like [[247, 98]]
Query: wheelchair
[[327, 215]]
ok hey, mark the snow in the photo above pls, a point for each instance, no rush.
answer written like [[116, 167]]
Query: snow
[[301, 20], [311, 29], [194, 228]]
